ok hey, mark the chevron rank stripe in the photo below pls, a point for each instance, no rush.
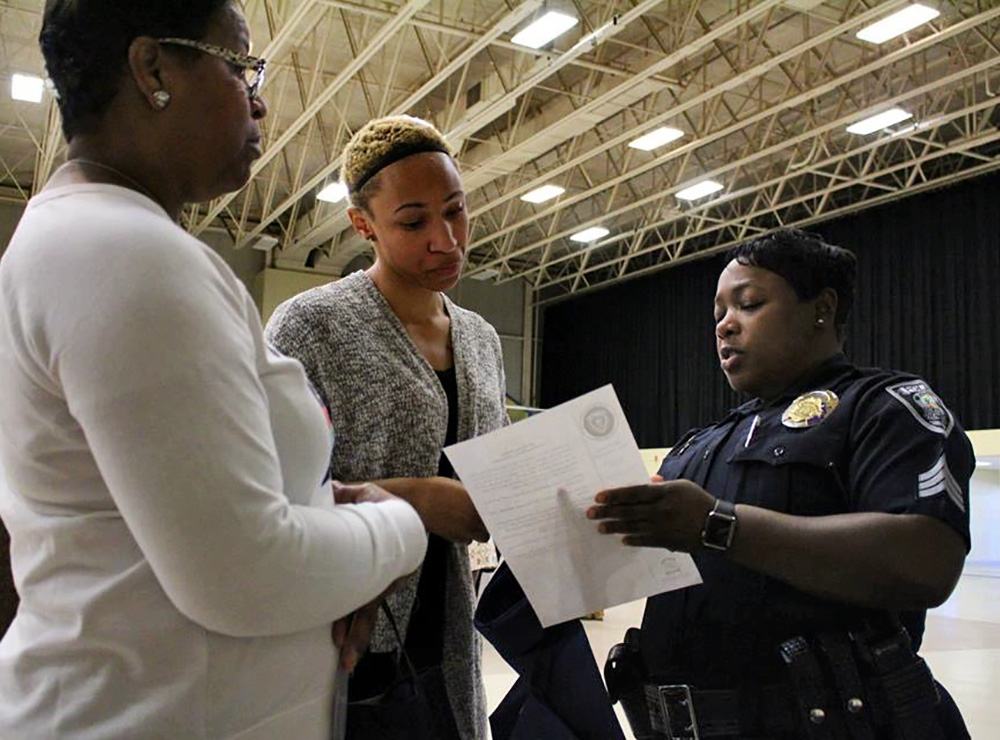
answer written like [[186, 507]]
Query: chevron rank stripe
[[938, 479]]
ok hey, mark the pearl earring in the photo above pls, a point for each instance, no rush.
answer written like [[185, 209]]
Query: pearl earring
[[820, 322], [161, 99]]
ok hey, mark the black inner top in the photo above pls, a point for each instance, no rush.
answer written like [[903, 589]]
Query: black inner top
[[375, 672]]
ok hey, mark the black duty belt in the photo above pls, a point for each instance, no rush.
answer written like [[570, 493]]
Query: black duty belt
[[682, 712]]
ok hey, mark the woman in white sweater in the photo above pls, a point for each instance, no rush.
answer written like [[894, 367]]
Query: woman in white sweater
[[178, 555]]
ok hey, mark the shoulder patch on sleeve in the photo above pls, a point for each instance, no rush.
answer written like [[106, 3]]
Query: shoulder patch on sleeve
[[924, 404]]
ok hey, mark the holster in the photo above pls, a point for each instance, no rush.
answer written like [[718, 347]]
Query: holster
[[625, 676]]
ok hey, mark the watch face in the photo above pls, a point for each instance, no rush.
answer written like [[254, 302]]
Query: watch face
[[719, 531]]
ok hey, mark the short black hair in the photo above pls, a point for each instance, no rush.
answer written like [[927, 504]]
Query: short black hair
[[85, 44], [808, 264]]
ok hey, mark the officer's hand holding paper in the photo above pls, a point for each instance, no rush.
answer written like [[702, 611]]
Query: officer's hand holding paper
[[533, 482]]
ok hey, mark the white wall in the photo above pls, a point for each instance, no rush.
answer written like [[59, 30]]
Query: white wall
[[246, 262], [984, 503], [501, 305]]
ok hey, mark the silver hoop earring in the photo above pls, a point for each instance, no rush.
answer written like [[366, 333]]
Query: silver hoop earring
[[161, 99]]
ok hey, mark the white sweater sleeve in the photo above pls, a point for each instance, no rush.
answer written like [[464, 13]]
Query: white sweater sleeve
[[160, 372]]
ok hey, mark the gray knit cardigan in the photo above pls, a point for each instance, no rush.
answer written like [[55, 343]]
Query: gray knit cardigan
[[389, 415]]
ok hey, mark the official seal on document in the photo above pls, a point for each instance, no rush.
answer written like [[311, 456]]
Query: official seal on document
[[598, 422]]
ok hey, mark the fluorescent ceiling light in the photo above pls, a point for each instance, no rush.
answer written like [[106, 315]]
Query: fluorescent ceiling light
[[546, 28], [542, 194], [590, 235], [333, 193], [265, 242], [706, 187], [488, 274], [898, 23], [27, 87], [879, 121], [657, 138]]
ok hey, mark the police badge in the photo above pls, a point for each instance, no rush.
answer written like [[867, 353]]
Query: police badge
[[810, 409]]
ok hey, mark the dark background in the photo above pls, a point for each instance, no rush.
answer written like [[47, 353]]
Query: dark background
[[927, 302]]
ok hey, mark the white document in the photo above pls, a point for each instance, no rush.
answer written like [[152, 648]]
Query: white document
[[532, 483]]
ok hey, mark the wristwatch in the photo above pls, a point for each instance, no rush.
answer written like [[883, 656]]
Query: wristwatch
[[720, 526]]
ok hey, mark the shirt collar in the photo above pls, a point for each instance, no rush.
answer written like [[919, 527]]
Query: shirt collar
[[823, 375]]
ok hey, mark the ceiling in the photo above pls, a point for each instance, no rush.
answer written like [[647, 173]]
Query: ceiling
[[762, 89]]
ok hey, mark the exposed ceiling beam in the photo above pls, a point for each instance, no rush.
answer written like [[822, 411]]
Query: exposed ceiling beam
[[379, 40], [337, 222], [502, 26], [793, 102], [904, 173]]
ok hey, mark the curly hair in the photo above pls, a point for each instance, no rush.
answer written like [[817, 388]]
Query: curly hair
[[85, 44], [382, 142], [808, 264]]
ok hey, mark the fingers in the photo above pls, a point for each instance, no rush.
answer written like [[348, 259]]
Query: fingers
[[358, 636], [631, 495], [347, 494], [638, 511], [623, 526], [642, 540], [356, 493], [479, 531], [339, 631]]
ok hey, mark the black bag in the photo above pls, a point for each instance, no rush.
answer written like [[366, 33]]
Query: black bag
[[414, 707]]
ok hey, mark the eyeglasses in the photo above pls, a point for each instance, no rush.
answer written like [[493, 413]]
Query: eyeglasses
[[253, 67]]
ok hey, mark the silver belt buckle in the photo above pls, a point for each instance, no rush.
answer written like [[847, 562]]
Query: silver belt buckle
[[672, 711]]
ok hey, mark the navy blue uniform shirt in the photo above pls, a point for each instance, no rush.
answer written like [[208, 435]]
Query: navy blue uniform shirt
[[889, 446]]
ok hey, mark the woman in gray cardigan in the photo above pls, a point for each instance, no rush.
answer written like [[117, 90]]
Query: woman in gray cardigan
[[404, 372]]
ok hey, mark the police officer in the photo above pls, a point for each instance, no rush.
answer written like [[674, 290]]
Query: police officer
[[823, 514]]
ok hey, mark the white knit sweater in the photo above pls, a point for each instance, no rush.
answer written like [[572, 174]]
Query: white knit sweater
[[178, 561]]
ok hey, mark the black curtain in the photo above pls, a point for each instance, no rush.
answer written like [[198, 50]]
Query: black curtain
[[928, 301]]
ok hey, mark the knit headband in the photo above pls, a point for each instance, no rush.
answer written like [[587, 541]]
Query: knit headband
[[401, 152]]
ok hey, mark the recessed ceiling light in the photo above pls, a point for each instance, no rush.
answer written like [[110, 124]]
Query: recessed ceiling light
[[897, 24], [706, 187], [333, 193], [546, 28], [488, 274], [542, 194], [879, 121], [590, 235], [265, 242], [27, 87], [657, 138]]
